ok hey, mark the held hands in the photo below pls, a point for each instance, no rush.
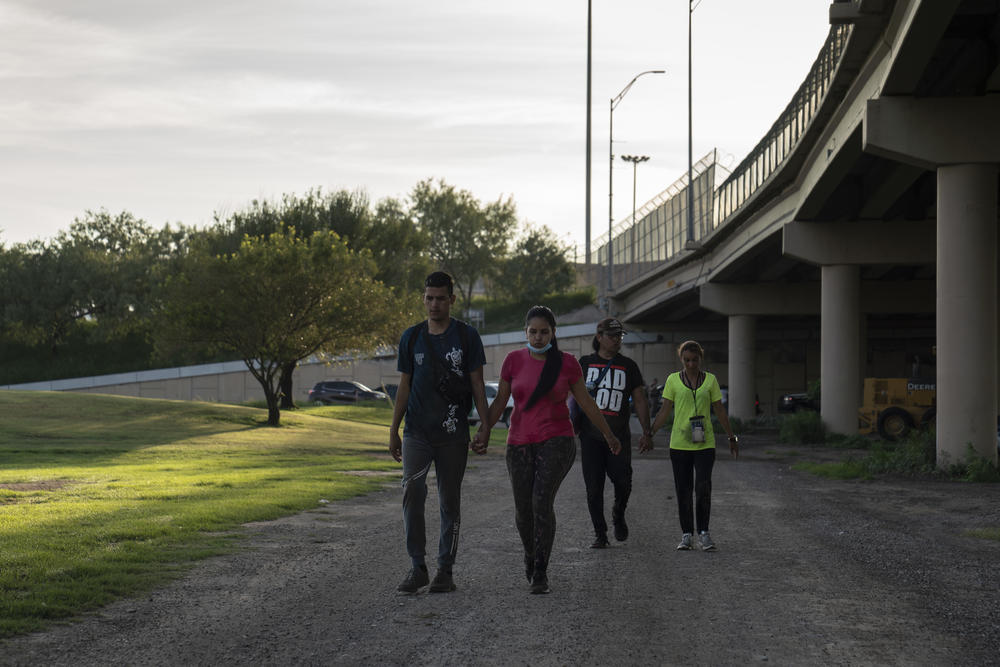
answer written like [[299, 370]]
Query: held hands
[[645, 443], [395, 446], [481, 441]]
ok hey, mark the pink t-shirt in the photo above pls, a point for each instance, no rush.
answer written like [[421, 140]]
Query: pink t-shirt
[[549, 416]]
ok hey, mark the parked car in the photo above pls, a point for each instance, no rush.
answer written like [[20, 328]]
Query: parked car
[[492, 388], [389, 389], [797, 402], [334, 391]]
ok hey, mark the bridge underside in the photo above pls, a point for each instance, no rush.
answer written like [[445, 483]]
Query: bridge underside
[[874, 243]]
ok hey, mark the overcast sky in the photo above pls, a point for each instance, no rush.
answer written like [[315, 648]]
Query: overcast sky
[[177, 110]]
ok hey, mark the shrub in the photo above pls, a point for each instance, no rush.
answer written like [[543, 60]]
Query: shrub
[[509, 315], [802, 428], [853, 441], [976, 468], [913, 456], [754, 425], [813, 391]]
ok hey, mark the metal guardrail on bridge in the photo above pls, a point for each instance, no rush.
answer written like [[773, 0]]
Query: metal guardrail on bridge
[[659, 230]]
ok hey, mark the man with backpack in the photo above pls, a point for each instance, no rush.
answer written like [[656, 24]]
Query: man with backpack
[[612, 379], [441, 375]]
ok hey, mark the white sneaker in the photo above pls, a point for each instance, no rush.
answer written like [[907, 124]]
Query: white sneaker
[[706, 541], [685, 544]]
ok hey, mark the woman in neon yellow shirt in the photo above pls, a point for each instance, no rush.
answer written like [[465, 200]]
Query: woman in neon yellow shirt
[[692, 440]]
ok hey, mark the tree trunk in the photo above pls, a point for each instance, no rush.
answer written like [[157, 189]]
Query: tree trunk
[[466, 296], [273, 411], [273, 408], [285, 386]]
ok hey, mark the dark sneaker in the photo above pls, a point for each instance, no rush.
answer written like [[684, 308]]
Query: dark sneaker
[[442, 583], [600, 542], [415, 580], [621, 528], [539, 584], [685, 544], [706, 541]]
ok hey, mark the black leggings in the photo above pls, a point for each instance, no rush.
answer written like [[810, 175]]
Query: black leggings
[[599, 462], [536, 471], [693, 476]]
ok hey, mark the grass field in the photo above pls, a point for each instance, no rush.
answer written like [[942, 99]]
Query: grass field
[[103, 497]]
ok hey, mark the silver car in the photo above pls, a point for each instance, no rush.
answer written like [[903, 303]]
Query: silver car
[[492, 388]]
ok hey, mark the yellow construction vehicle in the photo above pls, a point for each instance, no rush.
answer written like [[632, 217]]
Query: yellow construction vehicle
[[894, 406]]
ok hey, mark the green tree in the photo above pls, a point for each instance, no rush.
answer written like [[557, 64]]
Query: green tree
[[124, 253], [99, 271], [467, 239], [280, 299], [399, 249], [46, 290], [537, 266]]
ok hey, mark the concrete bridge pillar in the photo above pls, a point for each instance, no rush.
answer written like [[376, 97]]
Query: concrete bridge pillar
[[840, 347], [960, 138], [742, 352], [966, 311]]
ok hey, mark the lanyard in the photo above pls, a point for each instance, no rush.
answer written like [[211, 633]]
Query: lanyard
[[694, 395]]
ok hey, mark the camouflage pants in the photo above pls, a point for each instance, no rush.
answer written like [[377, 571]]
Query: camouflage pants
[[536, 471]]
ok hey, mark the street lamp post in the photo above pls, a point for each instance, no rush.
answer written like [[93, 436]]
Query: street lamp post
[[611, 168], [635, 160], [691, 243], [587, 188]]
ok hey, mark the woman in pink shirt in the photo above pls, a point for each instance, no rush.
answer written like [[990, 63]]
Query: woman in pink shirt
[[540, 443]]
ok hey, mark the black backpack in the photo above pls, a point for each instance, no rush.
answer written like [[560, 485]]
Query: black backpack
[[457, 389]]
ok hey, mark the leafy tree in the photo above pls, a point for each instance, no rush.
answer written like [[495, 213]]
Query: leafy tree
[[100, 270], [280, 299], [124, 253], [537, 266], [398, 248], [467, 239]]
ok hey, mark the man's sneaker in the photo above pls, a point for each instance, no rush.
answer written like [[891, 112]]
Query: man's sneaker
[[621, 528], [706, 541], [415, 580], [600, 542], [443, 583], [685, 544], [539, 584]]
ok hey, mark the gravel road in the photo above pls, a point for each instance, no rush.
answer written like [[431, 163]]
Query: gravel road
[[808, 571]]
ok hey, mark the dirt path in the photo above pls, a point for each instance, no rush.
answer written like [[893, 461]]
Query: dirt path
[[808, 571]]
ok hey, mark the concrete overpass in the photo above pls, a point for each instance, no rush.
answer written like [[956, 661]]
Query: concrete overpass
[[865, 220]]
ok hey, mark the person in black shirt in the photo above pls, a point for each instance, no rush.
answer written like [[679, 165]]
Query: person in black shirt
[[441, 376], [612, 379]]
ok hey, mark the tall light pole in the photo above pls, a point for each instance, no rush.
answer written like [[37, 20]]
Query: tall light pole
[[587, 209], [691, 243], [611, 167], [635, 160]]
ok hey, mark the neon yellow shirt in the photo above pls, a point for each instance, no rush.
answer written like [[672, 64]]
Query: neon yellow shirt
[[687, 404]]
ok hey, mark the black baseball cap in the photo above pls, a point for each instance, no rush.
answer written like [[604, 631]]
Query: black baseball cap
[[610, 325]]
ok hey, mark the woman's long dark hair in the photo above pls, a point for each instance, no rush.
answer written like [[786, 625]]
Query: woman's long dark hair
[[553, 358]]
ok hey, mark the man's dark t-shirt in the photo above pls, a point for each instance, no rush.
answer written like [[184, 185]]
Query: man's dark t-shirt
[[429, 415], [613, 393]]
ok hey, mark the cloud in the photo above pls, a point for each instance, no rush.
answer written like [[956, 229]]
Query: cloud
[[175, 109]]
